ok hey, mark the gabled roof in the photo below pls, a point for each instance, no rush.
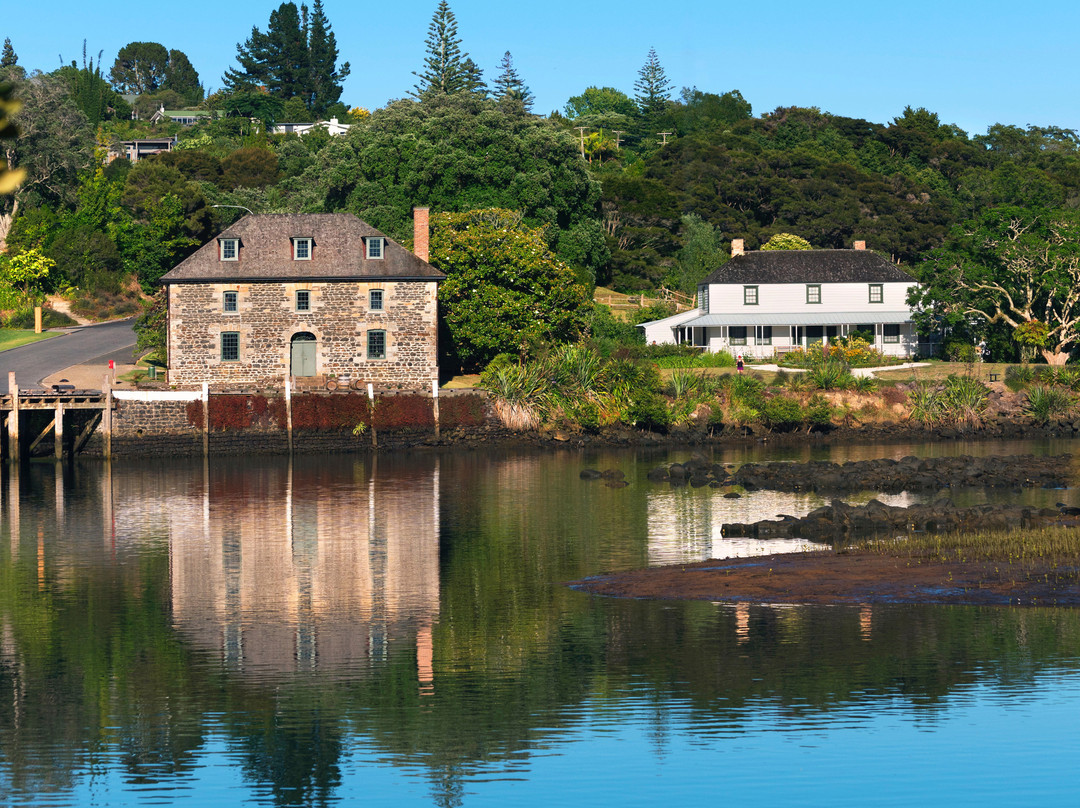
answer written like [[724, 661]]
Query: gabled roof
[[808, 266], [266, 253]]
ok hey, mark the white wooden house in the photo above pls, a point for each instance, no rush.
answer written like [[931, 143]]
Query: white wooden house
[[763, 303]]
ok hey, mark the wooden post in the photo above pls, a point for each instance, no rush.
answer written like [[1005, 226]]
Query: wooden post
[[13, 419], [371, 409], [288, 412], [435, 404], [106, 417], [206, 419], [58, 432], [37, 319]]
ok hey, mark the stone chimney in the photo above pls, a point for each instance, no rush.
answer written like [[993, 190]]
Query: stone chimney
[[420, 233], [860, 245], [738, 247]]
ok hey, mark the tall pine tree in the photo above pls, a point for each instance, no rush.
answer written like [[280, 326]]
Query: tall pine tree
[[296, 57], [8, 59], [653, 88], [325, 78], [510, 85], [445, 68], [181, 77], [474, 78]]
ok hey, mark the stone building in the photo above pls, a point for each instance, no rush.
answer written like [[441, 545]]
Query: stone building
[[321, 297]]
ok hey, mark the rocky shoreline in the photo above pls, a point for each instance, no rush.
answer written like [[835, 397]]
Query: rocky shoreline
[[842, 521], [859, 576]]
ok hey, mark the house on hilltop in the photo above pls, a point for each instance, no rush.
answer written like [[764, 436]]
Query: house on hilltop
[[322, 297], [766, 302]]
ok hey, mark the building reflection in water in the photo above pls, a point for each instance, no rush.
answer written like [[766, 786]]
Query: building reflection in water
[[293, 571], [686, 524]]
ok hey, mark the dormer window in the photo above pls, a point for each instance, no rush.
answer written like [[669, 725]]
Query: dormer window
[[375, 247], [230, 249], [301, 249]]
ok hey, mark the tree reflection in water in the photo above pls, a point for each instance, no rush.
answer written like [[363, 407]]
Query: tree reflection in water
[[411, 606]]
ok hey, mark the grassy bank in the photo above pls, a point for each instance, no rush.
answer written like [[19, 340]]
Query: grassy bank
[[13, 338]]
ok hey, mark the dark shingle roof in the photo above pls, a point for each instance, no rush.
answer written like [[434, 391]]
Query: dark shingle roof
[[266, 253], [808, 266]]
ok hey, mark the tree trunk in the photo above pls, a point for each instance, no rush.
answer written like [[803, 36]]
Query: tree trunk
[[1054, 357], [5, 225]]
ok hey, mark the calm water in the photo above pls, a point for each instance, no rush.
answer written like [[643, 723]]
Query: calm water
[[395, 630]]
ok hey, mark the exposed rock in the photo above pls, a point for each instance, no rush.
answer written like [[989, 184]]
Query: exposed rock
[[876, 518], [909, 474]]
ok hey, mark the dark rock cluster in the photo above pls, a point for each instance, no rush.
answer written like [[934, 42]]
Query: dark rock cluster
[[697, 472], [908, 474], [840, 520]]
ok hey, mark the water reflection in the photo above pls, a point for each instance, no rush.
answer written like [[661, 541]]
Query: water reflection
[[297, 567], [344, 630]]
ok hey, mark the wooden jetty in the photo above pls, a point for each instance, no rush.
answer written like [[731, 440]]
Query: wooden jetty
[[62, 400]]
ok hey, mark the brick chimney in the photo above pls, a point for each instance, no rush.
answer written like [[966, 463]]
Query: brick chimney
[[738, 247], [860, 245], [420, 233]]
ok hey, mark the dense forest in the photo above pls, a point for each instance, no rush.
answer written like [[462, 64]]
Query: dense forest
[[630, 190]]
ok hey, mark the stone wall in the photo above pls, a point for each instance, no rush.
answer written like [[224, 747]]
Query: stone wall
[[167, 423], [266, 321]]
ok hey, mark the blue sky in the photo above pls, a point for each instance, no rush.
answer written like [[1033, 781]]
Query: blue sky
[[973, 64]]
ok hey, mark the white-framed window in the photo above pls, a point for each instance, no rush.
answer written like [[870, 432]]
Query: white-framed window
[[230, 302], [737, 335], [890, 332], [303, 300], [375, 247], [375, 299], [763, 335], [301, 249], [750, 295], [877, 293], [376, 345], [703, 298], [230, 346], [813, 293], [230, 249]]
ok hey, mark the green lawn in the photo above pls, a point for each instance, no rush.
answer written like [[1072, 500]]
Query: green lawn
[[937, 371], [13, 338]]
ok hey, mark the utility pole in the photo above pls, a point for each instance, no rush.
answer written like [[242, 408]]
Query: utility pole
[[582, 129], [618, 139], [664, 135]]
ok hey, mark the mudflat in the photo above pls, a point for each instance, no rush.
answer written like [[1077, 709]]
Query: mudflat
[[851, 577]]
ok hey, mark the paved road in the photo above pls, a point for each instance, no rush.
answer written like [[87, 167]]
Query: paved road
[[77, 346]]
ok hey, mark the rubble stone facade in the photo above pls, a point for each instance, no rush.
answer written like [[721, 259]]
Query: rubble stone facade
[[348, 305], [340, 319]]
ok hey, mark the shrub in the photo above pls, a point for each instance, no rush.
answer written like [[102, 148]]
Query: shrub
[[24, 319], [649, 411], [780, 412], [1047, 403], [864, 384], [831, 374], [683, 383], [926, 404], [965, 399], [852, 350], [1017, 377], [746, 388], [720, 359], [959, 351], [819, 412]]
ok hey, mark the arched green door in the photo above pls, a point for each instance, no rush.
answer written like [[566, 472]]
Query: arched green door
[[304, 348]]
